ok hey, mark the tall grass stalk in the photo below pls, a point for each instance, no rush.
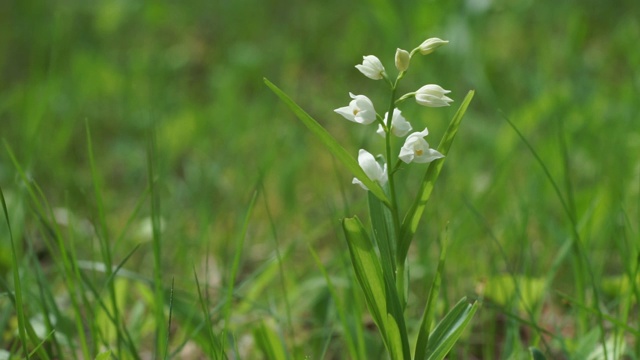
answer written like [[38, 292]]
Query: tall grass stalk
[[158, 270], [235, 266], [102, 233], [69, 264], [583, 272], [17, 284]]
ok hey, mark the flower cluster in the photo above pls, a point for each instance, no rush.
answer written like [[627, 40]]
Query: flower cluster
[[361, 110]]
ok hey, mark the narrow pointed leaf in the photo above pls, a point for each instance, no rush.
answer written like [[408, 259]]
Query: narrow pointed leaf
[[449, 329], [368, 270], [331, 143], [412, 218], [385, 236], [395, 347]]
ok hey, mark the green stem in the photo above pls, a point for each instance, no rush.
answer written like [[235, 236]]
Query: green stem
[[400, 266]]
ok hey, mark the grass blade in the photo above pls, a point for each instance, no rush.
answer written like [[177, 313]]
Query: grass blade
[[234, 268], [355, 346], [330, 142], [412, 218], [156, 240], [427, 316], [214, 344], [19, 303], [269, 342]]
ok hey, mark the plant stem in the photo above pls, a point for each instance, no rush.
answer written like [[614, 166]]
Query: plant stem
[[400, 267]]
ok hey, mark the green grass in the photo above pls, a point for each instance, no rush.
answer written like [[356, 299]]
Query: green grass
[[136, 134]]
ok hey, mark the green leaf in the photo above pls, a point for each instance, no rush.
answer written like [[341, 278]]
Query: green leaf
[[412, 218], [429, 309], [394, 339], [385, 236], [449, 329], [331, 143], [368, 271]]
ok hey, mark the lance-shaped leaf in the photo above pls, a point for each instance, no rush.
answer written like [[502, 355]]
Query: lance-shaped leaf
[[447, 332], [384, 234], [412, 218], [368, 271], [331, 144]]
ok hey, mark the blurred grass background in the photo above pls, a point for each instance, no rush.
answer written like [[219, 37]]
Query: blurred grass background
[[191, 72]]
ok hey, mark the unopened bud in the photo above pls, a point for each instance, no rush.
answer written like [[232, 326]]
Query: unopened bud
[[402, 60], [429, 45]]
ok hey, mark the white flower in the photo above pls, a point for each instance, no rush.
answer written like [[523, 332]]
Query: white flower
[[432, 95], [429, 45], [402, 59], [371, 167], [371, 67], [399, 125], [360, 110], [417, 149]]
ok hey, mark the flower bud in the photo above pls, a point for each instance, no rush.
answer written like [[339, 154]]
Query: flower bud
[[429, 45], [402, 60]]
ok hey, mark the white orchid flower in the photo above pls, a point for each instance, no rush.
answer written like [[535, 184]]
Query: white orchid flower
[[417, 149], [371, 67], [432, 95], [399, 125], [360, 110], [372, 168]]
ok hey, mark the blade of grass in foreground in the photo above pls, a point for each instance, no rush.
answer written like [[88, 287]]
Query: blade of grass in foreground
[[161, 330], [429, 309], [412, 218], [234, 269], [331, 144], [214, 345], [581, 264], [44, 210], [17, 285], [355, 346]]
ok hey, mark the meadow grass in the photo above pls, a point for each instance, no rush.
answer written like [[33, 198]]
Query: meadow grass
[[160, 202]]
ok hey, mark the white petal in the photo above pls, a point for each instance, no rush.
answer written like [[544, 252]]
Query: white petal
[[358, 182], [428, 156], [371, 67], [400, 126], [346, 112], [369, 164], [406, 155]]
